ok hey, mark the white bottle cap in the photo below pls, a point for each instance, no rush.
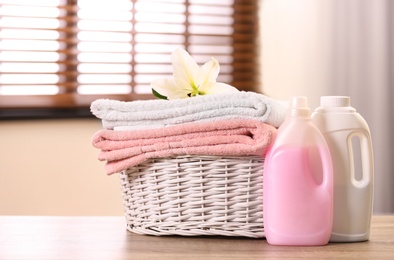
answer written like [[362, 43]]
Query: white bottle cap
[[335, 101], [298, 106]]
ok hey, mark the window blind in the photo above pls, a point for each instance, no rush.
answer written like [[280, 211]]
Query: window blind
[[67, 53]]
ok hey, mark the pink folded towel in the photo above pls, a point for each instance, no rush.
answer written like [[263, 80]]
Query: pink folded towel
[[125, 149]]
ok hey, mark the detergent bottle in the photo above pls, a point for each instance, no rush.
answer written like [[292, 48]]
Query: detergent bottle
[[298, 182], [349, 139]]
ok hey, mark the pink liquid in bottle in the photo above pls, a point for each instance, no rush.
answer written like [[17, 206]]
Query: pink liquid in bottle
[[299, 208]]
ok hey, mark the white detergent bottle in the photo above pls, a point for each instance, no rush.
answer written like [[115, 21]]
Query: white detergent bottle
[[298, 182], [347, 135]]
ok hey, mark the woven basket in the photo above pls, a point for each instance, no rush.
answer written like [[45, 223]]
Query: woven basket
[[195, 195]]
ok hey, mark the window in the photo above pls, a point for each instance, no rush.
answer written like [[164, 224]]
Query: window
[[63, 54]]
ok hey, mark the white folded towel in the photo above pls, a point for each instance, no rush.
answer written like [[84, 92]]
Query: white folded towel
[[156, 113]]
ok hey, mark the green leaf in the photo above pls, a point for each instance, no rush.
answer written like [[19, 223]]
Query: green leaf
[[158, 95]]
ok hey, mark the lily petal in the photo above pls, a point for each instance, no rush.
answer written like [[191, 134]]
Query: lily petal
[[217, 87], [209, 71], [184, 66], [168, 88]]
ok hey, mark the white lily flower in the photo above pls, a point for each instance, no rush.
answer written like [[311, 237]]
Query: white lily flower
[[189, 79]]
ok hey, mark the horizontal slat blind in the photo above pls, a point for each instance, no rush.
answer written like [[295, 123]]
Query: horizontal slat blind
[[30, 48], [66, 53]]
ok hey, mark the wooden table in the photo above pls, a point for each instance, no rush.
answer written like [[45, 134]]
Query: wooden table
[[25, 237]]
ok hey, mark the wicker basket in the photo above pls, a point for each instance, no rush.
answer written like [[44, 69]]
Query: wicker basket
[[195, 195]]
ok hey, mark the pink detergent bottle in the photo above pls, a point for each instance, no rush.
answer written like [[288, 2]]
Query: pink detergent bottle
[[298, 182]]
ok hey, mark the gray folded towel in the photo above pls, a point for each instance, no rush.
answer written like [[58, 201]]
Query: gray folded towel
[[156, 113]]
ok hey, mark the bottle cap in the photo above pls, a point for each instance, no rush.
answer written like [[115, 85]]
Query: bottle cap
[[298, 106], [335, 101]]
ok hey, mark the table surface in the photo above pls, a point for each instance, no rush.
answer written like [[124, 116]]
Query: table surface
[[35, 237]]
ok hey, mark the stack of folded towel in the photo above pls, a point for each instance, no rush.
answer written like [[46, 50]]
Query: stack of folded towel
[[227, 124]]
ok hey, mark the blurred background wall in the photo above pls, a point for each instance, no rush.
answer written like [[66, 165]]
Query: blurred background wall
[[311, 48], [48, 167], [337, 47]]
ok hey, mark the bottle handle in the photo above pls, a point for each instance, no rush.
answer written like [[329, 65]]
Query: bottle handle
[[366, 159], [326, 161]]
